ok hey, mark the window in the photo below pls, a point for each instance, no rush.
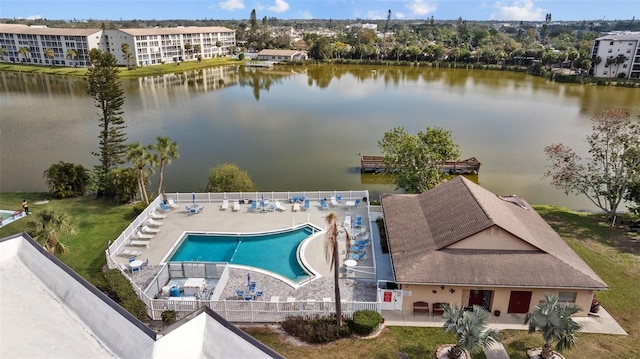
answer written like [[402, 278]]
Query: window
[[611, 43], [624, 66], [567, 297], [610, 51]]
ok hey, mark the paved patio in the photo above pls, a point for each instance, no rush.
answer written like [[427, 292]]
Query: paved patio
[[213, 219]]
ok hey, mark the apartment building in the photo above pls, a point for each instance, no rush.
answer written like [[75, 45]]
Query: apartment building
[[146, 46], [615, 46]]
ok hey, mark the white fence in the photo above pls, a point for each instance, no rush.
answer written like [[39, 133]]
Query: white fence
[[257, 311], [281, 196], [232, 310]]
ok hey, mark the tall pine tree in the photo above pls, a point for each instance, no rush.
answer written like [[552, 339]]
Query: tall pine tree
[[105, 87]]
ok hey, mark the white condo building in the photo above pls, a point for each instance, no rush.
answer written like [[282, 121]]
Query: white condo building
[[610, 47], [147, 46]]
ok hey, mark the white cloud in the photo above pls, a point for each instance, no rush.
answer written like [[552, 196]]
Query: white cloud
[[33, 17], [400, 15], [280, 6], [518, 10], [376, 15], [306, 15], [421, 7], [231, 5]]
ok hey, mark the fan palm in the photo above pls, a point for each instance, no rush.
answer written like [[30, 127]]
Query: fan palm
[[470, 329], [554, 322], [46, 227], [331, 253]]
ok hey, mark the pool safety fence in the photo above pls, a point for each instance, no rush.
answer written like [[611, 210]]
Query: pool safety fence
[[232, 310], [286, 197], [256, 311]]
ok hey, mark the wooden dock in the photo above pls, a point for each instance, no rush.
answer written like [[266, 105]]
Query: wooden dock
[[374, 164]]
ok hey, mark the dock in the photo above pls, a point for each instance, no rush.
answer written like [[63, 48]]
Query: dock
[[268, 64], [375, 164]]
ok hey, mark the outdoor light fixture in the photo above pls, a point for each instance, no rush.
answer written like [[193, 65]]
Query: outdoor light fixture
[[442, 287], [434, 291], [451, 290]]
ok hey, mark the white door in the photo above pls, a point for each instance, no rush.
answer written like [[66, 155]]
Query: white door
[[390, 299]]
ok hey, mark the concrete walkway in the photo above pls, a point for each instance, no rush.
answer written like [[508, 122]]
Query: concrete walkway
[[496, 351]]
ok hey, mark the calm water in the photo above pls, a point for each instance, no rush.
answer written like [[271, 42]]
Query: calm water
[[281, 257], [302, 128]]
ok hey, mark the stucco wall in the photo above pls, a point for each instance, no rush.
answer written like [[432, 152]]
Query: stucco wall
[[500, 299]]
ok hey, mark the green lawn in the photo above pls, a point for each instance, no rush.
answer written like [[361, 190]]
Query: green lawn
[[613, 253], [124, 73], [97, 223]]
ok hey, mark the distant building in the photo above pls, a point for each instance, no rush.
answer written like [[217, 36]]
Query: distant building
[[282, 55], [354, 27], [609, 47], [147, 46]]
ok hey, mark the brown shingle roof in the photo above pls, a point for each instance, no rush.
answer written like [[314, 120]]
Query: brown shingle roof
[[420, 227]]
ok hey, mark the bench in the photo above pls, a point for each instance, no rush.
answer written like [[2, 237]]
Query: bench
[[438, 309], [420, 307]]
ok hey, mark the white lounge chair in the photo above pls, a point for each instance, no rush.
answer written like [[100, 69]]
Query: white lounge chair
[[153, 223], [334, 202], [139, 243], [156, 215], [129, 253], [236, 205], [143, 236], [149, 230], [296, 207], [225, 204], [171, 203], [280, 207]]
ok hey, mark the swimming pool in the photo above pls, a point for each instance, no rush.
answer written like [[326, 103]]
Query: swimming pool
[[274, 251]]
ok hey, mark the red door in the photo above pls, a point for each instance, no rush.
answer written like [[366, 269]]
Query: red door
[[475, 297], [519, 302]]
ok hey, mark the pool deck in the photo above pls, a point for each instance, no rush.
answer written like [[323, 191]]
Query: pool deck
[[213, 219]]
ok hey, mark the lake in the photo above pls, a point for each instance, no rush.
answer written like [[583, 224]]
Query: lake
[[303, 127]]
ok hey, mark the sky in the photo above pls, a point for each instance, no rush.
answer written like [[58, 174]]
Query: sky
[[505, 10]]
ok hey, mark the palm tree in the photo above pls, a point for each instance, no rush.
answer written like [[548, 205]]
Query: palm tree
[[49, 54], [554, 321], [331, 253], [596, 62], [72, 54], [126, 55], [67, 179], [619, 60], [46, 226], [166, 150], [470, 329], [139, 157], [24, 51]]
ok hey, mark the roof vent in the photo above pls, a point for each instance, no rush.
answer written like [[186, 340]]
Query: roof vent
[[518, 201]]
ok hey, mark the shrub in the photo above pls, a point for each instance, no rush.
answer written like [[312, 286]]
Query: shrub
[[169, 316], [139, 208], [365, 322], [383, 235], [119, 289], [315, 330]]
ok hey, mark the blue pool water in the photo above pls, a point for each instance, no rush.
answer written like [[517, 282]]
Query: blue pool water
[[275, 252]]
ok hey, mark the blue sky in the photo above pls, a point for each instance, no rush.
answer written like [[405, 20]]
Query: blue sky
[[321, 9]]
